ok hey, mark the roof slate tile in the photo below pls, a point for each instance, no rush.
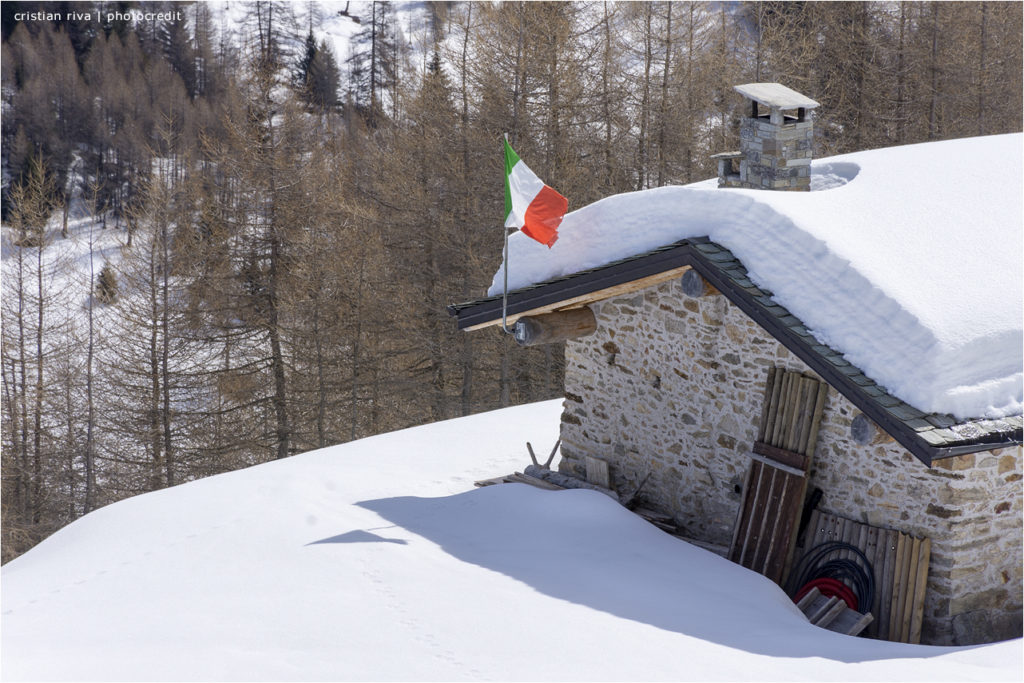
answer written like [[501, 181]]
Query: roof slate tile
[[905, 412], [719, 256], [919, 425], [941, 420]]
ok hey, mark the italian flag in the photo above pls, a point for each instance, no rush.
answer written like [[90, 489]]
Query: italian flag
[[530, 205]]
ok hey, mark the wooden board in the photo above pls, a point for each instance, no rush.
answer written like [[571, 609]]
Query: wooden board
[[899, 564], [489, 482], [809, 597], [850, 622], [871, 551], [830, 616], [833, 614], [764, 536], [909, 583], [520, 478], [917, 618], [899, 580], [885, 586], [597, 472]]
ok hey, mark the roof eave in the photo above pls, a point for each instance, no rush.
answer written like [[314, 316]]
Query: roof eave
[[704, 256]]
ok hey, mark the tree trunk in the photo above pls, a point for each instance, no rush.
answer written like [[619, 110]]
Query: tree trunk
[[64, 212], [466, 356], [165, 354], [90, 459], [283, 432], [901, 103], [662, 114], [37, 447], [982, 65], [21, 484], [355, 348], [645, 103], [690, 105], [156, 442], [373, 65], [606, 97], [321, 388], [272, 228], [520, 80], [933, 68]]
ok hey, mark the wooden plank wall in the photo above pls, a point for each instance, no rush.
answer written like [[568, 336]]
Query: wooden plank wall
[[765, 532], [900, 564]]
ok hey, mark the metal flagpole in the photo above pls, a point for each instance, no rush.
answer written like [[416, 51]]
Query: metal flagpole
[[504, 295]]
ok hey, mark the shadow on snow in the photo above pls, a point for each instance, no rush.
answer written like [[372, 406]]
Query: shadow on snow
[[583, 547], [358, 536]]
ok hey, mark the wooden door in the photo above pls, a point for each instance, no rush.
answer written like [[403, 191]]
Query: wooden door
[[766, 526]]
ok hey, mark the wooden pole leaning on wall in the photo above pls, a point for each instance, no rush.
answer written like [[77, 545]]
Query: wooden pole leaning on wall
[[555, 327]]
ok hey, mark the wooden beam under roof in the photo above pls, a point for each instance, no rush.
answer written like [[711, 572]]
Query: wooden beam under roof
[[590, 297]]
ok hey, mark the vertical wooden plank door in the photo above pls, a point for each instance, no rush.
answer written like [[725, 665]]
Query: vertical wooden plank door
[[769, 516]]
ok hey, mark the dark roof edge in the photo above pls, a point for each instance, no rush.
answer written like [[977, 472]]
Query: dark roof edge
[[906, 436], [552, 291], [691, 252]]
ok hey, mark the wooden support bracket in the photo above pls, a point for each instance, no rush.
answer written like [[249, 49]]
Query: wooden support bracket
[[780, 456], [555, 327]]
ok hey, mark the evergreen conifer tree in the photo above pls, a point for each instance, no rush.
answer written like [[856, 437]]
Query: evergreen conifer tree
[[106, 285]]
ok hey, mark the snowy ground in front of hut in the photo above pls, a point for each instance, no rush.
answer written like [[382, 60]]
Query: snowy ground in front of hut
[[379, 560], [907, 260]]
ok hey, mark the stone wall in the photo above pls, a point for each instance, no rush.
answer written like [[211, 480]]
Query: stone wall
[[776, 157], [672, 386]]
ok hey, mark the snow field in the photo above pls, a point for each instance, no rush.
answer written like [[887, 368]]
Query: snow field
[[378, 560]]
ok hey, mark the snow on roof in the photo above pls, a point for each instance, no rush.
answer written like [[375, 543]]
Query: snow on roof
[[907, 260], [376, 560], [775, 95]]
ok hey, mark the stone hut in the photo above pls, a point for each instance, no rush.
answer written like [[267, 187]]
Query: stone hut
[[669, 360]]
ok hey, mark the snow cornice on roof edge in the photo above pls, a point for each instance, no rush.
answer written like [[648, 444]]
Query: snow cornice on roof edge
[[929, 436]]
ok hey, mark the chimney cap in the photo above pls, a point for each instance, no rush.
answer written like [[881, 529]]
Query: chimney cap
[[775, 95]]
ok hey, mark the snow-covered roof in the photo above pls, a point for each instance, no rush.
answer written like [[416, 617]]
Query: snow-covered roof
[[907, 260], [775, 95]]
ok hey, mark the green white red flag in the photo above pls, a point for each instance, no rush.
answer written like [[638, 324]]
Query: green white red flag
[[530, 205]]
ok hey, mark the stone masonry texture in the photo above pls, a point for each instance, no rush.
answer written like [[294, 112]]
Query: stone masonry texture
[[672, 386], [775, 157]]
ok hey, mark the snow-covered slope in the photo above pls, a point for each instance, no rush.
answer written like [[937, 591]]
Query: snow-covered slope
[[335, 21], [907, 260], [379, 560]]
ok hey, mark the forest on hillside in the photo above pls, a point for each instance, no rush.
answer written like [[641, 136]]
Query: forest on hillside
[[224, 242]]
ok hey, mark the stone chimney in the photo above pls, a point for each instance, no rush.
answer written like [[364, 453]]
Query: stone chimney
[[775, 141]]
